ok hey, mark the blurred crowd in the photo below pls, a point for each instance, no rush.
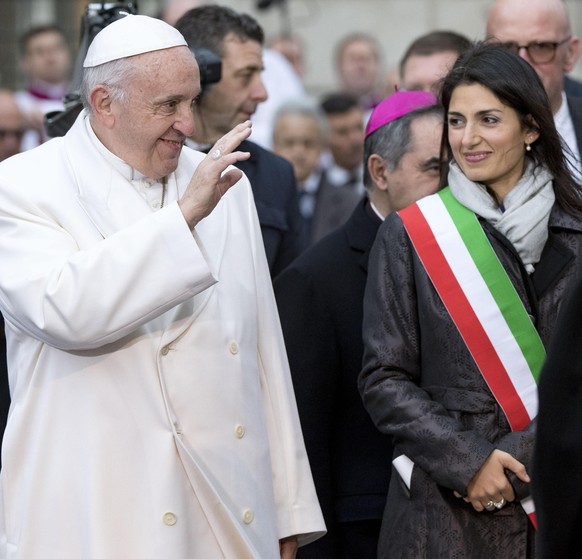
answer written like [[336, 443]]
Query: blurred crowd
[[322, 136]]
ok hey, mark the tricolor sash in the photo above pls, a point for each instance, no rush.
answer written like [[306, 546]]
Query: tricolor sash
[[482, 302]]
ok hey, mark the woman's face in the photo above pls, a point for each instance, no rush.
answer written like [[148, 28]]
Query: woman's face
[[486, 138]]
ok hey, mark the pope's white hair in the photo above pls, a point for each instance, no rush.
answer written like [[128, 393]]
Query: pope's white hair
[[116, 76]]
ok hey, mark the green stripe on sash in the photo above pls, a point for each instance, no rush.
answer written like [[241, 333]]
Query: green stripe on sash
[[498, 282]]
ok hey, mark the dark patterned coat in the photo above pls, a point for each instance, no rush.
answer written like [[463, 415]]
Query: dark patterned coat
[[420, 384]]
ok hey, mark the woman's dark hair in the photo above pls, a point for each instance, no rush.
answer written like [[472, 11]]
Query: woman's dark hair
[[515, 83]]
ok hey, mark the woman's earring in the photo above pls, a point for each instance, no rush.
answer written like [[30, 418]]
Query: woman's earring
[[527, 147]]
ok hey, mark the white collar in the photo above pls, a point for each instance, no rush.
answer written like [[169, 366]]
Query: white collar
[[562, 115], [339, 176], [376, 211]]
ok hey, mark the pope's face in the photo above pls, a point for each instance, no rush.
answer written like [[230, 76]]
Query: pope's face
[[151, 124]]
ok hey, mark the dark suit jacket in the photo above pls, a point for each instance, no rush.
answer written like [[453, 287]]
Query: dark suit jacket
[[320, 299], [333, 207], [572, 87], [575, 106], [557, 464], [275, 192]]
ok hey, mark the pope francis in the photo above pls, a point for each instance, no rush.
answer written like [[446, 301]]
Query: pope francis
[[152, 411]]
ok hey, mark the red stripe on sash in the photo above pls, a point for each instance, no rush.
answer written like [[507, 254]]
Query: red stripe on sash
[[464, 317]]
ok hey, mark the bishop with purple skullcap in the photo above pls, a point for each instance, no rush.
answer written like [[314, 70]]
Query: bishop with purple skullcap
[[397, 105]]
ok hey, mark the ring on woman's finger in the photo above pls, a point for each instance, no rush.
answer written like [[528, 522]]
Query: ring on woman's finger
[[216, 154], [490, 505], [499, 504]]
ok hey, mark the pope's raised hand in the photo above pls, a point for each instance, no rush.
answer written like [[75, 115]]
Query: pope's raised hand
[[209, 182]]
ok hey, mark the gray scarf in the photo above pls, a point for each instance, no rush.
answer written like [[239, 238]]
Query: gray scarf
[[527, 208]]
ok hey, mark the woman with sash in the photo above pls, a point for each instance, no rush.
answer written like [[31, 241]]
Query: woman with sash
[[463, 292]]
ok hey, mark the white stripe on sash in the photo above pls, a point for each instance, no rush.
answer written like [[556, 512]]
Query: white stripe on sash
[[481, 300]]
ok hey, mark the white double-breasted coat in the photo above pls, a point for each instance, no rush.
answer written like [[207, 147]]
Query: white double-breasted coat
[[152, 411]]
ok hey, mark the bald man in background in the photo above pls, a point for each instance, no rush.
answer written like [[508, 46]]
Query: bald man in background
[[540, 32]]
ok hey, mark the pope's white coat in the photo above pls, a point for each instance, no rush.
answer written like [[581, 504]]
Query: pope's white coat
[[152, 409]]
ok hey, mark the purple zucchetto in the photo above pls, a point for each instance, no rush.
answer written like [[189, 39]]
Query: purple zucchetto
[[397, 105]]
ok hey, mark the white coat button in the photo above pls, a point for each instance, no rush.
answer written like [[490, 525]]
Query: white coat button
[[239, 431], [233, 347], [170, 519], [165, 350], [248, 516]]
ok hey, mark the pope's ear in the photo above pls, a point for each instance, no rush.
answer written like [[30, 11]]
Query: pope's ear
[[101, 103]]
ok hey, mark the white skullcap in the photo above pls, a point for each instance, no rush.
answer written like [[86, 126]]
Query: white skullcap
[[129, 36]]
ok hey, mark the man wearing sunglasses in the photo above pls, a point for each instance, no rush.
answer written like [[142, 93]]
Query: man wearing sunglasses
[[540, 32]]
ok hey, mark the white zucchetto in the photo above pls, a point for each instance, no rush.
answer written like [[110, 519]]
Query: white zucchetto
[[129, 36]]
